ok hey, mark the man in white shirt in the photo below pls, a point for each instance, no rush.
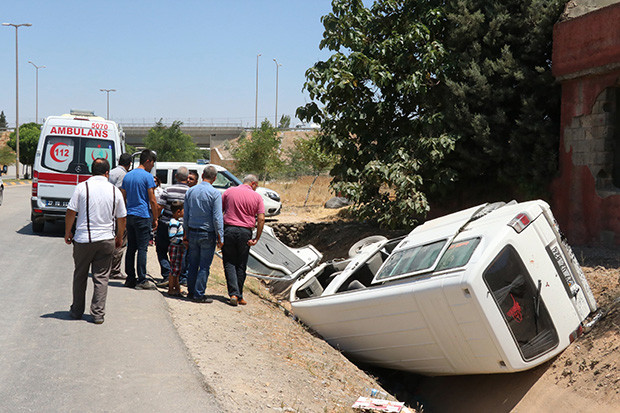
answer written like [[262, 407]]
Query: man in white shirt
[[101, 216]]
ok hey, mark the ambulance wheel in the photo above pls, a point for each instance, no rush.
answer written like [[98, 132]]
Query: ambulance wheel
[[37, 225], [357, 247]]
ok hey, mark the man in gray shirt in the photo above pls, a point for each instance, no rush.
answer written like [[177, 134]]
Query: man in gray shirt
[[116, 178], [117, 174]]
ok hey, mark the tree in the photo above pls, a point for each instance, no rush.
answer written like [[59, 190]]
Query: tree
[[501, 95], [308, 155], [3, 124], [285, 122], [171, 144], [28, 141], [260, 152], [377, 103], [428, 98]]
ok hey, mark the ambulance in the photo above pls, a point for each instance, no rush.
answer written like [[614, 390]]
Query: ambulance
[[67, 147]]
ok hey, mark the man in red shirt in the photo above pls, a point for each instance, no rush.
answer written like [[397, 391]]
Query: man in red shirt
[[243, 210]]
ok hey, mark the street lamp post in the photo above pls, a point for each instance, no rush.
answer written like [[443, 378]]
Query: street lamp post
[[275, 123], [107, 91], [16, 95], [256, 105], [36, 116]]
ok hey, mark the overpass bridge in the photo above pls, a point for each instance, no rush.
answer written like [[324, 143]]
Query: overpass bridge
[[205, 136]]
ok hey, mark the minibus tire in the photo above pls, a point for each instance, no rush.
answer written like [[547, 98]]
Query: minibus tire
[[37, 225]]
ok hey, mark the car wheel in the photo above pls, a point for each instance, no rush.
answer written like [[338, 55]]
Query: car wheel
[[357, 247], [37, 225]]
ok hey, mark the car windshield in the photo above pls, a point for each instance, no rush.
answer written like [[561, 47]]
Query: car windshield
[[225, 180], [411, 260], [75, 155]]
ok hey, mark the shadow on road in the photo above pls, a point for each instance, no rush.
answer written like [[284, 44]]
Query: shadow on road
[[59, 315], [52, 229]]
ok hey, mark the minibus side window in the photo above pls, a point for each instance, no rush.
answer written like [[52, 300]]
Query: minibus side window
[[518, 299]]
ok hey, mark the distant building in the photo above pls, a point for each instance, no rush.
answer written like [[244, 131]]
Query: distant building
[[586, 61]]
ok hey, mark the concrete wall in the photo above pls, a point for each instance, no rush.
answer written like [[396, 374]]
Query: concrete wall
[[586, 60]]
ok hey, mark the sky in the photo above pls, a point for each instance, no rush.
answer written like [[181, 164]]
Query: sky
[[193, 61]]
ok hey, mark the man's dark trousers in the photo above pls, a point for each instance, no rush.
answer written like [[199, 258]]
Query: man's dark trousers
[[138, 235], [162, 243], [235, 254], [98, 255]]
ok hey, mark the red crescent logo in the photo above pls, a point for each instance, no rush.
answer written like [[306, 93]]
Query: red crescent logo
[[92, 155], [53, 149]]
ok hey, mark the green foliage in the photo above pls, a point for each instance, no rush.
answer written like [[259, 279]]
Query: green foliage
[[285, 122], [171, 144], [7, 156], [501, 95], [28, 140], [130, 149], [308, 157], [377, 103], [3, 124], [260, 153], [425, 98]]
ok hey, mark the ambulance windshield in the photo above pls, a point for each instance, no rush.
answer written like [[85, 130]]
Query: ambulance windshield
[[75, 155]]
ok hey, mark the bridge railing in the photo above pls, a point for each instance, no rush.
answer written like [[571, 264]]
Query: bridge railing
[[192, 122]]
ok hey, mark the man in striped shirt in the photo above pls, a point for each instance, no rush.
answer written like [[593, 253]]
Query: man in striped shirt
[[173, 193]]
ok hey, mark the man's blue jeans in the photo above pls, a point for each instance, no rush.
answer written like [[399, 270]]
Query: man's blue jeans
[[138, 236], [202, 248]]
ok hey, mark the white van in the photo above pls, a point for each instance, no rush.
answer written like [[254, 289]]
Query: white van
[[490, 289], [166, 171], [67, 148]]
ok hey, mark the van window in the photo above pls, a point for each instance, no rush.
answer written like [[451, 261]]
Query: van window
[[418, 258], [162, 174], [519, 301], [458, 254], [76, 155]]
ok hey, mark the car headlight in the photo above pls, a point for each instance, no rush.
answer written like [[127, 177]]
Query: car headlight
[[273, 195]]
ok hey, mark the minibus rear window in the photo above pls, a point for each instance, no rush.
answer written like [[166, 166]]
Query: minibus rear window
[[520, 302], [75, 155]]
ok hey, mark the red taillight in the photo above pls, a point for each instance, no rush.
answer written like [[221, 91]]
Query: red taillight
[[35, 183], [577, 333], [520, 222]]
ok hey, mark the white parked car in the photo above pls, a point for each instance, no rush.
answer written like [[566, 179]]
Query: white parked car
[[166, 171], [490, 289]]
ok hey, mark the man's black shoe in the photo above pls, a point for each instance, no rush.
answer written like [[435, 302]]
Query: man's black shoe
[[203, 299], [75, 316], [130, 284]]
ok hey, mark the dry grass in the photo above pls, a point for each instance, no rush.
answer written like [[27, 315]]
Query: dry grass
[[293, 193]]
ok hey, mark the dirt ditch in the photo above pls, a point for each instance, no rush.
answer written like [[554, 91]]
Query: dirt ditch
[[257, 358]]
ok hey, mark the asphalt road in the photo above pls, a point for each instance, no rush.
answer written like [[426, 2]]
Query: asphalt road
[[134, 362]]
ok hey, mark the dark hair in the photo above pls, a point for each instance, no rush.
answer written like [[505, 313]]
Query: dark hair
[[100, 166], [125, 159], [147, 155], [176, 206]]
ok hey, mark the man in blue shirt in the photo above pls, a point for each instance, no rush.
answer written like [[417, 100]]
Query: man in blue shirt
[[138, 190], [204, 228]]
